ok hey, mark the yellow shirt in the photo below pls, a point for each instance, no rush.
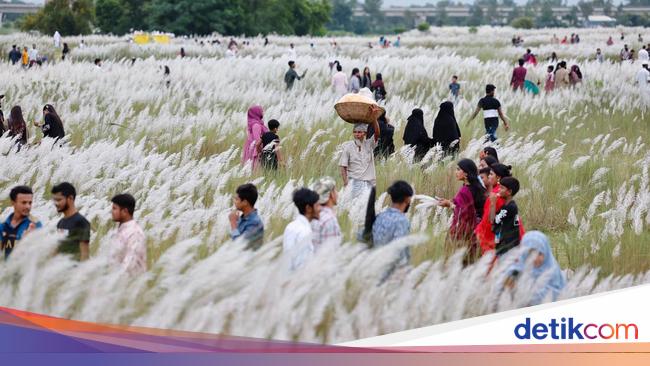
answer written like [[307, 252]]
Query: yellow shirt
[[25, 58]]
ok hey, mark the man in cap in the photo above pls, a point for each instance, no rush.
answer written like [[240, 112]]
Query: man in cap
[[326, 229], [357, 156]]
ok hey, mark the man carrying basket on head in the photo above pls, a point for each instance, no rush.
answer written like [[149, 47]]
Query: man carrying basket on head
[[357, 157]]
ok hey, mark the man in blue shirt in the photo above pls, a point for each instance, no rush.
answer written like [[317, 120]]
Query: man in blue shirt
[[393, 224], [248, 224], [20, 221]]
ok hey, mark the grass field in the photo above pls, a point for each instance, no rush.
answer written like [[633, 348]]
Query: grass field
[[581, 155]]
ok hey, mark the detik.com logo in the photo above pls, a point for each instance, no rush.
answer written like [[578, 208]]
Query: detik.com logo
[[568, 328]]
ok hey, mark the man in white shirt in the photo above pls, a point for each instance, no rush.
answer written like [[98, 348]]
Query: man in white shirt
[[340, 81], [129, 249], [643, 55], [297, 246], [643, 77], [33, 54], [292, 52], [57, 39], [357, 160]]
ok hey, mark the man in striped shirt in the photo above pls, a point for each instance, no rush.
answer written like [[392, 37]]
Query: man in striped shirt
[[326, 229], [491, 112]]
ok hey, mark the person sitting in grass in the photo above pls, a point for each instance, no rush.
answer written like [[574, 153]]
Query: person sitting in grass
[[268, 147], [248, 224], [505, 222]]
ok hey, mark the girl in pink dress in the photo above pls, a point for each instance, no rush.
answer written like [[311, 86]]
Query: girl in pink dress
[[255, 131], [550, 79]]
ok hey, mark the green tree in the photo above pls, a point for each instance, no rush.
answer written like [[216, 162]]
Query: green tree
[[546, 17], [443, 18], [108, 13], [587, 8], [476, 15], [523, 23], [341, 17], [375, 16], [69, 17], [195, 16]]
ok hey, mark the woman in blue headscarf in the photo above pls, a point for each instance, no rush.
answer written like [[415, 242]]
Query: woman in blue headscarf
[[538, 267]]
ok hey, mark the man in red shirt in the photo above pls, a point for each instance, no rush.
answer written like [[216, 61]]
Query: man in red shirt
[[518, 76]]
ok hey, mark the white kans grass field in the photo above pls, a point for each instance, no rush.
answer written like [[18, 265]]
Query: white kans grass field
[[581, 155]]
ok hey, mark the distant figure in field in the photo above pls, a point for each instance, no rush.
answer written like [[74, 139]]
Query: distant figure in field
[[355, 81], [65, 52], [52, 125], [446, 132], [378, 88], [17, 127], [415, 135], [98, 64], [14, 55], [454, 89], [518, 76], [562, 78], [610, 41], [57, 39], [549, 85], [366, 80], [491, 112], [340, 81], [291, 75], [599, 56], [643, 78], [254, 133], [269, 147], [576, 75]]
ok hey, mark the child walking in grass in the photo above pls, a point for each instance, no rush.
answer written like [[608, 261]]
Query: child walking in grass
[[506, 221], [269, 147]]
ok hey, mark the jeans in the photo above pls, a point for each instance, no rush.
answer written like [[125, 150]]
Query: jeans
[[359, 186], [491, 132]]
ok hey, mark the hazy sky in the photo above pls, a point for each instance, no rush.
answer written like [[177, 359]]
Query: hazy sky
[[423, 2]]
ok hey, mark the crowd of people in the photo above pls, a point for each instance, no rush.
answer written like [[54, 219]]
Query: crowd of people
[[486, 219], [128, 246], [485, 213]]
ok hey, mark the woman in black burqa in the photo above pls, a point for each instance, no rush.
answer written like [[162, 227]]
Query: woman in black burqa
[[416, 135], [446, 132]]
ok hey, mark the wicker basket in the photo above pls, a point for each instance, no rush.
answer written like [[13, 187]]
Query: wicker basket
[[354, 108]]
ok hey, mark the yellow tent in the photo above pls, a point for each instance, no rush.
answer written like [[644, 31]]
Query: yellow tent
[[141, 38], [161, 38]]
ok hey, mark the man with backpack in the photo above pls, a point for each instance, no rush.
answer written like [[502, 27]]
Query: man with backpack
[[269, 147]]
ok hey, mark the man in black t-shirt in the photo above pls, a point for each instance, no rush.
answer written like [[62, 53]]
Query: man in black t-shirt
[[505, 223], [491, 112], [73, 223], [269, 146]]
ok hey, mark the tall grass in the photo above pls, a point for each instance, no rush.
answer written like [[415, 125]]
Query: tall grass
[[581, 156]]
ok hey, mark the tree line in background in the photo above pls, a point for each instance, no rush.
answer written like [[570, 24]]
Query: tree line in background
[[294, 17], [247, 17]]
